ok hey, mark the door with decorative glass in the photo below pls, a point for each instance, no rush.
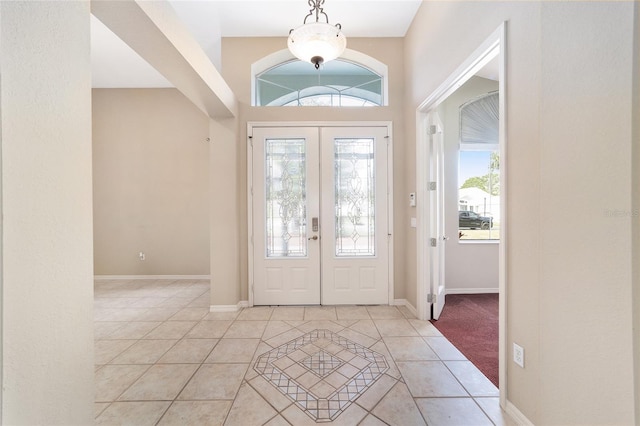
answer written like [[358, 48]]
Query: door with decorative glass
[[320, 231]]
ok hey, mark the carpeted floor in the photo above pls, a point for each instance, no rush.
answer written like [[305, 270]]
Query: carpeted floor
[[470, 322]]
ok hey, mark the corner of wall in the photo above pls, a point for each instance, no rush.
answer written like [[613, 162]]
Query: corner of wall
[[1, 253], [224, 213], [635, 248]]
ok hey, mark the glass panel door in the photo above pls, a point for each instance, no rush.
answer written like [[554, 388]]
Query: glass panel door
[[285, 185], [320, 228], [355, 263]]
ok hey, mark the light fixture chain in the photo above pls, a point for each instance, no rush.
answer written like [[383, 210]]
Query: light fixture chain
[[316, 6]]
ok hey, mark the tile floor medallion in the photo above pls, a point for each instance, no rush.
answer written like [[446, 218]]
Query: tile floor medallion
[[321, 372]]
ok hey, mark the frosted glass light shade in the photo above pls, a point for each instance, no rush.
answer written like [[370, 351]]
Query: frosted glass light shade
[[317, 43]]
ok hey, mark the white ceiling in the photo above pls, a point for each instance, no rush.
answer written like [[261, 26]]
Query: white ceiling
[[273, 18], [491, 70], [117, 65]]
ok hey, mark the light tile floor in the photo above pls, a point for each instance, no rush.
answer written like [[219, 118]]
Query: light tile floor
[[163, 359]]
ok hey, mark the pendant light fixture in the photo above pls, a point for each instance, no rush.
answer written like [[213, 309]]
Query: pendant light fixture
[[317, 42]]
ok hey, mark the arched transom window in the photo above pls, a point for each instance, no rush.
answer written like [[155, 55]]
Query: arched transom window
[[339, 83]]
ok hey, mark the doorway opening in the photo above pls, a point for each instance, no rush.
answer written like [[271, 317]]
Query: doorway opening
[[320, 214], [432, 237]]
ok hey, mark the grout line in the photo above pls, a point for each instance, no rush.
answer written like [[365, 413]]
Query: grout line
[[116, 399], [186, 383], [278, 412], [369, 413], [381, 399], [95, 416], [484, 411]]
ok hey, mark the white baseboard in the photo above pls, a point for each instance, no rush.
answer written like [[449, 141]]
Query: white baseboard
[[229, 308], [406, 304], [224, 308], [245, 304], [519, 418], [151, 277], [472, 290]]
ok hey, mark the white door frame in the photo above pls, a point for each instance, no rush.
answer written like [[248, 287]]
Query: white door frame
[[253, 124], [494, 45]]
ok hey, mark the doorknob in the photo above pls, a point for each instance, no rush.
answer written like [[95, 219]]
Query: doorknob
[[315, 237]]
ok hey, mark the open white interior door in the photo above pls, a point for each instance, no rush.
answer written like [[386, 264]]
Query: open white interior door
[[436, 226]]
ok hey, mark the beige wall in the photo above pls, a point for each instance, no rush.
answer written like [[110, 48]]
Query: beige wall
[[151, 183], [569, 75], [635, 251], [47, 268], [225, 213], [469, 266], [237, 56], [636, 204]]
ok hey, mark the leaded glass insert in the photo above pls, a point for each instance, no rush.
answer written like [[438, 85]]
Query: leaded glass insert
[[355, 196], [285, 193]]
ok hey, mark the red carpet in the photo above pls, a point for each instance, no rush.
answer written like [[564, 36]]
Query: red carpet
[[470, 322]]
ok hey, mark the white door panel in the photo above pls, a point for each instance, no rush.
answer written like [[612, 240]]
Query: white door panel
[[285, 199], [438, 287], [354, 212]]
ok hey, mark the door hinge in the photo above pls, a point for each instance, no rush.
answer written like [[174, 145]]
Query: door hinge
[[432, 298], [433, 186], [251, 141], [433, 129], [433, 242]]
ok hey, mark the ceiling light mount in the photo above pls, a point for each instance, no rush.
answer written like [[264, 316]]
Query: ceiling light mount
[[317, 42]]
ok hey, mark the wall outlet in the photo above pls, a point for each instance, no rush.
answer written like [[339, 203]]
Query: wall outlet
[[141, 255], [518, 355]]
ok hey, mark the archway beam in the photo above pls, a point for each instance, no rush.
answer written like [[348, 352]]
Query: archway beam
[[155, 32]]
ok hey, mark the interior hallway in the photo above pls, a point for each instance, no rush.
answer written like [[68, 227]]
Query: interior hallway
[[162, 358]]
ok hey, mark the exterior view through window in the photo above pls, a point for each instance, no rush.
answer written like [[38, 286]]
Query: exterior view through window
[[479, 195], [479, 170]]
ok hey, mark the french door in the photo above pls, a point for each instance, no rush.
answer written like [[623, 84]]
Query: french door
[[320, 231]]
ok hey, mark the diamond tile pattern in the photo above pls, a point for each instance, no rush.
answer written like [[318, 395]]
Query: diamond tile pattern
[[316, 351], [321, 363]]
